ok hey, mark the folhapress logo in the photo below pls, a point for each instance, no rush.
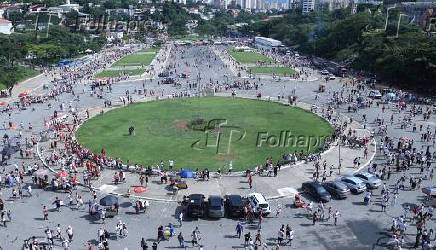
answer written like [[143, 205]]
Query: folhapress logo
[[220, 136]]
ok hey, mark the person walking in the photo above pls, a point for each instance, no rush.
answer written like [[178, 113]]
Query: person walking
[[45, 212], [314, 217], [181, 240], [144, 245], [259, 225], [70, 233], [29, 190], [57, 203], [335, 217], [247, 238], [58, 232], [289, 235], [180, 218], [103, 215], [258, 238], [66, 244], [239, 229], [195, 237]]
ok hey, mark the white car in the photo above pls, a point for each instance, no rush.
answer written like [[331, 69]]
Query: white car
[[332, 77], [258, 203], [375, 94], [370, 180]]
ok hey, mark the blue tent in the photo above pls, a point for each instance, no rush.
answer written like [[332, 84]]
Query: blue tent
[[186, 173]]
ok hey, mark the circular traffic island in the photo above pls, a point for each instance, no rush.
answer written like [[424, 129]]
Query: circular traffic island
[[209, 132]]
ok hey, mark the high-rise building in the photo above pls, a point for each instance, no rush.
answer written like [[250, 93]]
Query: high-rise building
[[247, 4], [308, 6], [260, 4]]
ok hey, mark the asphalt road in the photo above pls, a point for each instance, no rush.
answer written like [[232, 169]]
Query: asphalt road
[[359, 227]]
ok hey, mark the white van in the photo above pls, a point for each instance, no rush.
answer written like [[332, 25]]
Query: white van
[[258, 203]]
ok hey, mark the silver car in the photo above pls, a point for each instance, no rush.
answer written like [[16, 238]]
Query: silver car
[[215, 206], [355, 184], [370, 180]]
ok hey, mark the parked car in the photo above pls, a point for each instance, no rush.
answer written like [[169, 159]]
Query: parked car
[[168, 81], [355, 184], [195, 205], [164, 74], [316, 190], [375, 94], [258, 202], [337, 189], [324, 72], [183, 75], [234, 205], [332, 77], [370, 180], [215, 206]]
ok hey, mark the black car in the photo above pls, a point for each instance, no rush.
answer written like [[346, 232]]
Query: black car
[[234, 205], [316, 190], [195, 205], [168, 81], [164, 74], [337, 189]]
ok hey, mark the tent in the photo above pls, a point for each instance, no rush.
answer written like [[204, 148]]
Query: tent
[[186, 173]]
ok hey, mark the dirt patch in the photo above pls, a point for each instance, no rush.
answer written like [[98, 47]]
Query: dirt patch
[[181, 124]]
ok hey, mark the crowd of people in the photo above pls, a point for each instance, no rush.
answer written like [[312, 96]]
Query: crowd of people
[[79, 166]]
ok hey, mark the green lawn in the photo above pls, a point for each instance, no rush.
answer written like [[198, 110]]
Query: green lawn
[[175, 129], [249, 57], [115, 73], [281, 71], [22, 73], [154, 49], [137, 59]]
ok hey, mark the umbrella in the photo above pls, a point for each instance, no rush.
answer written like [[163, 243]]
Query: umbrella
[[3, 103], [429, 190], [62, 174], [41, 172], [139, 189], [109, 200]]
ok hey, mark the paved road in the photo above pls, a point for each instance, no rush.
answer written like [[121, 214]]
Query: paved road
[[359, 227]]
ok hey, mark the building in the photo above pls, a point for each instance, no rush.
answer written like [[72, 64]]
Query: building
[[266, 43], [308, 6], [6, 26], [260, 4], [338, 4]]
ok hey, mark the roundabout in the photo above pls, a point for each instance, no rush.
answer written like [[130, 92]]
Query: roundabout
[[209, 132]]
